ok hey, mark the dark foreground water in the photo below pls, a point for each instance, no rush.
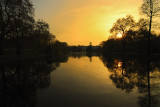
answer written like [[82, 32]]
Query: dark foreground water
[[80, 81]]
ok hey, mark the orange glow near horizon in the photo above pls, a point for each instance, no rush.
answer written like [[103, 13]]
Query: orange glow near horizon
[[79, 22]]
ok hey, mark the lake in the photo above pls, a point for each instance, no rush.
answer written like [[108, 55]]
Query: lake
[[80, 81]]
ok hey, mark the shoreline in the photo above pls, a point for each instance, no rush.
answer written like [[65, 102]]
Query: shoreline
[[9, 58]]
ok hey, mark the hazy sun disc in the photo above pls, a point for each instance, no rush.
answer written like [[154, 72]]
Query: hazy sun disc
[[119, 35]]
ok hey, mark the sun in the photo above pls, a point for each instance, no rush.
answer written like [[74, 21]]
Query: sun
[[119, 35]]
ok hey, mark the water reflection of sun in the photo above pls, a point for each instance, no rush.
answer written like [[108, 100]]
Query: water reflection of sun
[[120, 64]]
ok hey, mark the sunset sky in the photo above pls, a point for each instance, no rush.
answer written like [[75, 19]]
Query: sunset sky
[[79, 22]]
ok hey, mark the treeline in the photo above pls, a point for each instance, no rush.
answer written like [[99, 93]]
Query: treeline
[[20, 33], [134, 38]]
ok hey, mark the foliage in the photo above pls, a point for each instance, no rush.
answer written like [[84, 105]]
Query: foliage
[[150, 8], [123, 24], [21, 34], [15, 15], [134, 40]]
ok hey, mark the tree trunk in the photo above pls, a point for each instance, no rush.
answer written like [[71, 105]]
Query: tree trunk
[[148, 55], [149, 37], [150, 27]]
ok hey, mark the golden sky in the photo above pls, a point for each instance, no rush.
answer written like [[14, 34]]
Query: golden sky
[[79, 22]]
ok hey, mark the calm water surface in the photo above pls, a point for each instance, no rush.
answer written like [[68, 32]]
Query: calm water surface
[[80, 82]]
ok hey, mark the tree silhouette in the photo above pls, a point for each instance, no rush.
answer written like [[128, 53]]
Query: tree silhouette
[[123, 24], [22, 14], [142, 24], [5, 17], [14, 15], [150, 8]]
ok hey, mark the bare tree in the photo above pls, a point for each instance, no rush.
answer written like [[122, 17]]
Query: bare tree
[[150, 8]]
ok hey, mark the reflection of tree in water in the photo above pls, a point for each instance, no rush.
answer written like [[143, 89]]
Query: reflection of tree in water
[[20, 81], [127, 74], [150, 90]]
